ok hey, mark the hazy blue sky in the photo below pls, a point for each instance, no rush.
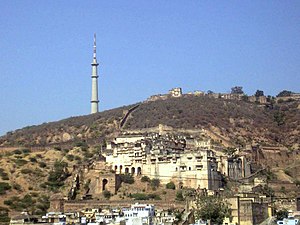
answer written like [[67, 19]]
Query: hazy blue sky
[[144, 48]]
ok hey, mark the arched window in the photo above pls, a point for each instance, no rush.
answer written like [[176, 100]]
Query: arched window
[[104, 183], [126, 170], [139, 171], [132, 170]]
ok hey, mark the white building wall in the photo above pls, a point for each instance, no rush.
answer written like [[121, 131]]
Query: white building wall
[[196, 170]]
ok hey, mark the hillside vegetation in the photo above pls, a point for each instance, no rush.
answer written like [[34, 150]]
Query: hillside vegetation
[[242, 122]]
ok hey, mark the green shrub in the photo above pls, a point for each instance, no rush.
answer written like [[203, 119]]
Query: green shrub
[[66, 151], [26, 151], [17, 187], [32, 159], [279, 118], [127, 178], [57, 148], [77, 158], [297, 182], [17, 152], [4, 217], [70, 157], [140, 196], [8, 202], [145, 179], [269, 174], [3, 174], [21, 204], [106, 194], [155, 182], [88, 155], [42, 164], [287, 172], [83, 145], [170, 185], [20, 162], [154, 196], [26, 171], [43, 185], [281, 214], [179, 196], [4, 187], [268, 191], [143, 196], [42, 205], [80, 143]]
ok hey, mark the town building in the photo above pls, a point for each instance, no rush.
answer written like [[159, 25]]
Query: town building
[[110, 216], [247, 209], [139, 214]]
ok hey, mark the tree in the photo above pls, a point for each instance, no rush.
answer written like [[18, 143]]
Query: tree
[[179, 196], [237, 90], [4, 217], [145, 179], [127, 178], [211, 208], [106, 194], [230, 151], [4, 187], [268, 191], [57, 176], [297, 182], [284, 93], [259, 93], [170, 185], [155, 183], [279, 118], [281, 214]]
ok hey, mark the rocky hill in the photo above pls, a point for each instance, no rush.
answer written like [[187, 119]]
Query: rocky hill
[[38, 159], [78, 128], [240, 122]]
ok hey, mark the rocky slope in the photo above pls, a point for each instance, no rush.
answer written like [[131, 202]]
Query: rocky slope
[[241, 122]]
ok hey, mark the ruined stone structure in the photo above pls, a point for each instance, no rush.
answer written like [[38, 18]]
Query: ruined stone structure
[[165, 157], [292, 96], [176, 92], [260, 99], [238, 168], [247, 209], [57, 203], [101, 179]]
